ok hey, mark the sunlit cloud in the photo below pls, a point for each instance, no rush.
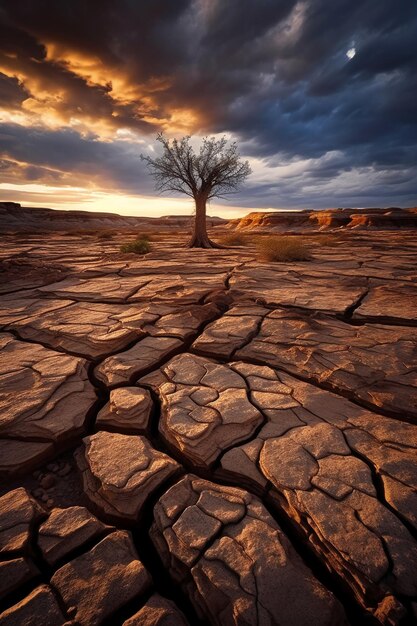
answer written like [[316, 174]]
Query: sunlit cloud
[[122, 87], [91, 68], [70, 89], [21, 118]]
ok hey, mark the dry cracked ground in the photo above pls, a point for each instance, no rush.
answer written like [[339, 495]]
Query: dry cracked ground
[[196, 437]]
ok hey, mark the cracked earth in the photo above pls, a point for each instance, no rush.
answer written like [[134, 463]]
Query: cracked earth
[[196, 437]]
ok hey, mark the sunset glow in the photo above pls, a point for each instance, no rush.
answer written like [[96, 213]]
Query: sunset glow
[[81, 98]]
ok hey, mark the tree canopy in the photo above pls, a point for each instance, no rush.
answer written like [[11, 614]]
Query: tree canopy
[[215, 171]]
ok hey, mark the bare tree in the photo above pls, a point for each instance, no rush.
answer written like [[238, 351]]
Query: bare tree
[[217, 170]]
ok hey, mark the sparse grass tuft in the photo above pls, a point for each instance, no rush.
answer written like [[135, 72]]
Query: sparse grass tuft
[[233, 239], [139, 246], [279, 248]]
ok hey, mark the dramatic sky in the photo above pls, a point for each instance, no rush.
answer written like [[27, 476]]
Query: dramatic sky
[[320, 94]]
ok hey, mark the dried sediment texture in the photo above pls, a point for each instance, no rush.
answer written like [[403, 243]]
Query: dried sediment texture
[[18, 513], [44, 401], [39, 607], [373, 364], [114, 287], [392, 450], [182, 322], [115, 577], [93, 330], [177, 288], [322, 456], [185, 278], [24, 273], [357, 259], [184, 263], [231, 331], [158, 611], [298, 287], [144, 355], [395, 302], [97, 329], [106, 576], [67, 529], [111, 288], [14, 573], [128, 410], [233, 560], [17, 309], [121, 472], [372, 257], [18, 456], [310, 438], [204, 408]]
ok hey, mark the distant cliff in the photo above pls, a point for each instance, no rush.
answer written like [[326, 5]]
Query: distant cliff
[[390, 218], [14, 217]]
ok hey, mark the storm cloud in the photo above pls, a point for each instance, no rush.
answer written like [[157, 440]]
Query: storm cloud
[[85, 86]]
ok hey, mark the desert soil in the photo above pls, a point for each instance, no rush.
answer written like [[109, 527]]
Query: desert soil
[[198, 437]]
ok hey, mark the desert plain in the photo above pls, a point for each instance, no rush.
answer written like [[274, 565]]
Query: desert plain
[[202, 437]]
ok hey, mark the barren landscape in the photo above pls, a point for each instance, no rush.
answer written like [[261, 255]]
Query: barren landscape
[[208, 313], [201, 437]]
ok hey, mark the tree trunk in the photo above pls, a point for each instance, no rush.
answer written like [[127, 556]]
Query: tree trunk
[[199, 238]]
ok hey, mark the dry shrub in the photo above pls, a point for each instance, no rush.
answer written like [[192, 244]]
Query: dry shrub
[[233, 239], [105, 235], [139, 246], [281, 248]]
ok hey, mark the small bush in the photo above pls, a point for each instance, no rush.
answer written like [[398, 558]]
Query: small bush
[[278, 248], [139, 246], [233, 239], [105, 235]]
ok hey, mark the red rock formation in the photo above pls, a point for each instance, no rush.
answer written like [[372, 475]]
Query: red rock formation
[[327, 219]]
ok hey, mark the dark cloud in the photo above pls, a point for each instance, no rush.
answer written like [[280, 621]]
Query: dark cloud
[[12, 92], [63, 156], [18, 41], [273, 72]]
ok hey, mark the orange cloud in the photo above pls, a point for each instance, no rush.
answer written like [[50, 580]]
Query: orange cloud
[[70, 89], [125, 91]]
